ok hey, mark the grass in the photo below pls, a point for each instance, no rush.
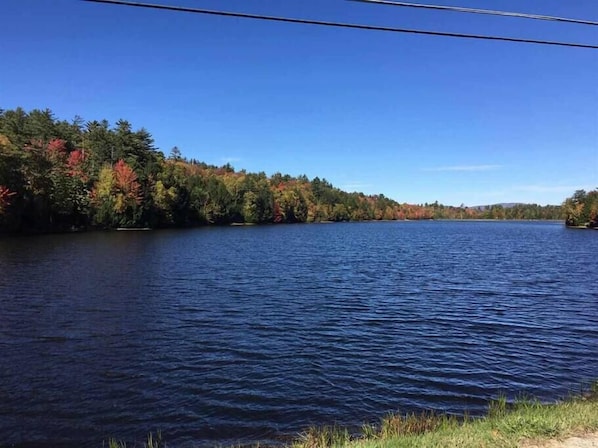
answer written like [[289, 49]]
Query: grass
[[505, 426], [152, 442]]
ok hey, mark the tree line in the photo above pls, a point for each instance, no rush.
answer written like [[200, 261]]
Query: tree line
[[581, 209], [61, 175]]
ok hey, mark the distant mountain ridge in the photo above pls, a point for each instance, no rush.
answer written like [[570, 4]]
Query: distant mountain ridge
[[506, 205]]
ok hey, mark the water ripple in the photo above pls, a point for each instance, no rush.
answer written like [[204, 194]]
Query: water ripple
[[222, 336]]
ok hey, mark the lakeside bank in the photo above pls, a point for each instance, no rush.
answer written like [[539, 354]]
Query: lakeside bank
[[524, 423]]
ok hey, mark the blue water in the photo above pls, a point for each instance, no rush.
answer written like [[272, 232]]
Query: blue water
[[238, 335]]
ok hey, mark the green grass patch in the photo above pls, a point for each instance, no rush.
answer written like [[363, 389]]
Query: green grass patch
[[507, 425], [151, 442]]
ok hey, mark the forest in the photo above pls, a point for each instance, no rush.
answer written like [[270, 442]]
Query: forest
[[581, 209], [58, 175]]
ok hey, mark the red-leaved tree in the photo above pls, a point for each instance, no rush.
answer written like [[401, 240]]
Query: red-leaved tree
[[5, 195], [126, 182]]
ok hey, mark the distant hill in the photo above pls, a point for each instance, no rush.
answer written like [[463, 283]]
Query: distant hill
[[502, 204], [506, 205]]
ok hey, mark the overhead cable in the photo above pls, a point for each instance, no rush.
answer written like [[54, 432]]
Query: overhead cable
[[479, 11], [340, 24]]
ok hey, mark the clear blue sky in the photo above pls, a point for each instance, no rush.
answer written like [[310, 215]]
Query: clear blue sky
[[416, 118]]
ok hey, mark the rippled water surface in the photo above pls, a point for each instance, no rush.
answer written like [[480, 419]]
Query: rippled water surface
[[238, 335]]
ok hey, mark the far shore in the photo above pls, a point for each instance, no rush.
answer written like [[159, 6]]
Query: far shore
[[31, 232]]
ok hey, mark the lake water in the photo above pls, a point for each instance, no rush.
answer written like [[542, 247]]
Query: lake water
[[237, 335]]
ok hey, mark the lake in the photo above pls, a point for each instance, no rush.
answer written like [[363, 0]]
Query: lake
[[246, 334]]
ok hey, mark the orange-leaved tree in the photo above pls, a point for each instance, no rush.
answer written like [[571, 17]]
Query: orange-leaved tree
[[117, 196], [128, 194]]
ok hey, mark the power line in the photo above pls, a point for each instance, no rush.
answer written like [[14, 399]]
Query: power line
[[340, 24], [479, 11]]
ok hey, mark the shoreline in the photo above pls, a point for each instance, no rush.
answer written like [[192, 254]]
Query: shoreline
[[242, 224], [523, 423]]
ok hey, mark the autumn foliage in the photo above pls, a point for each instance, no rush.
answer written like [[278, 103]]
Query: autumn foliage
[[56, 149], [581, 209], [57, 175], [127, 186], [5, 195], [75, 164]]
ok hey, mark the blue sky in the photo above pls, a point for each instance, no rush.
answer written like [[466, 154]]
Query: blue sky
[[416, 118]]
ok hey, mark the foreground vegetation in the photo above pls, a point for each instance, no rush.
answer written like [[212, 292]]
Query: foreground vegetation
[[505, 426], [60, 175]]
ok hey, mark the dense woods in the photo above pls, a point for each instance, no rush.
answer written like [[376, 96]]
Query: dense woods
[[581, 209], [60, 175]]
